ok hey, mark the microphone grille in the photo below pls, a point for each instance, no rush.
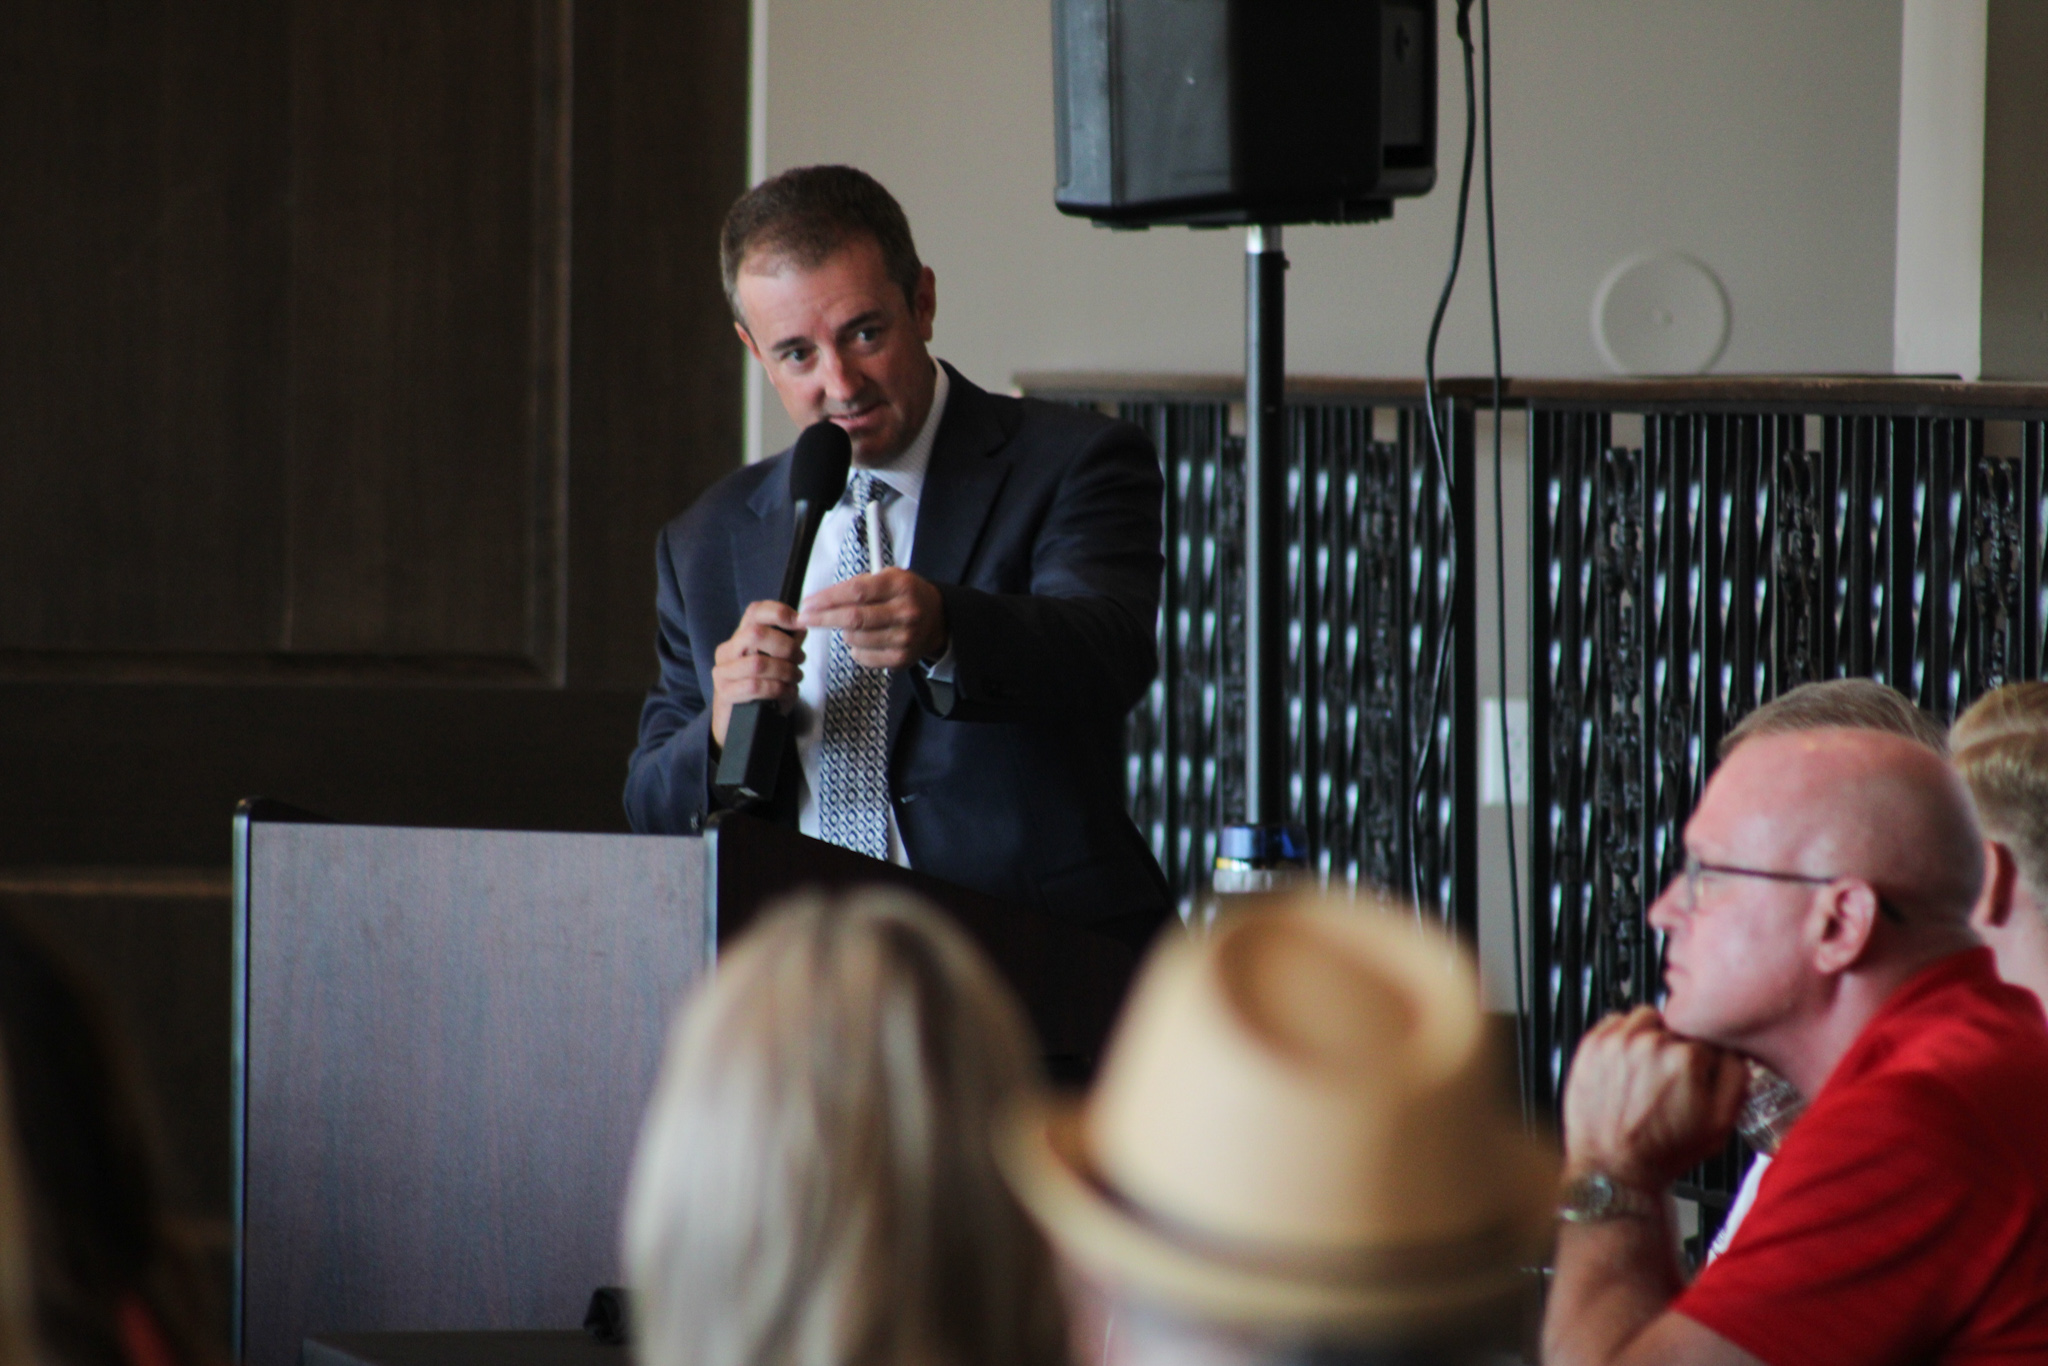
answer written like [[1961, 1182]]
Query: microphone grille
[[817, 468]]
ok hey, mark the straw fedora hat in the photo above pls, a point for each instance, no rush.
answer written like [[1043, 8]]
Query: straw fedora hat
[[1299, 1124]]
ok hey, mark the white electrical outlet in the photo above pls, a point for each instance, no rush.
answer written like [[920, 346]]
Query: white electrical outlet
[[1493, 774]]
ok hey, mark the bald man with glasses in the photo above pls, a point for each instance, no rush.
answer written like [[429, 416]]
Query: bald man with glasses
[[1820, 927]]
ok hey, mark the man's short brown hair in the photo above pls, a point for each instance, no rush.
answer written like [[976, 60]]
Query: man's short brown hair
[[805, 215], [1839, 703]]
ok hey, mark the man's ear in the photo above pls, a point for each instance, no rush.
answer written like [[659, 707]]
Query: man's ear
[[924, 303], [1843, 917], [2001, 878], [747, 340]]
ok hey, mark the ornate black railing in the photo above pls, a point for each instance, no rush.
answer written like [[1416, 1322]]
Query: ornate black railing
[[1740, 539], [1379, 693], [1697, 548]]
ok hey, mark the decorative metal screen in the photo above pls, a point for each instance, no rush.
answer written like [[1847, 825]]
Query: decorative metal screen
[[1726, 558], [1755, 536], [1379, 699]]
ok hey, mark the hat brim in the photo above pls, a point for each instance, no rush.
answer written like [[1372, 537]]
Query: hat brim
[[1043, 1152]]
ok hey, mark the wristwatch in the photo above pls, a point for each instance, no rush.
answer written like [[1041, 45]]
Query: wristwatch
[[1597, 1197]]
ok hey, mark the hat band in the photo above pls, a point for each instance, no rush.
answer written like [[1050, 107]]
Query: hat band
[[1496, 1248]]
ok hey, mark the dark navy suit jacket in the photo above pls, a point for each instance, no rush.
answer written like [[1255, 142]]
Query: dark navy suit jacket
[[1040, 526]]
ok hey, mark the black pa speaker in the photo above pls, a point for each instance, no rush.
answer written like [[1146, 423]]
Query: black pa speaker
[[1211, 112]]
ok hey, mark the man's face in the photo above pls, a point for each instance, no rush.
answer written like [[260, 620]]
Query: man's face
[[1735, 963], [841, 342]]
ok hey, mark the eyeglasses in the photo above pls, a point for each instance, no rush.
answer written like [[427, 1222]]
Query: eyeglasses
[[1695, 870]]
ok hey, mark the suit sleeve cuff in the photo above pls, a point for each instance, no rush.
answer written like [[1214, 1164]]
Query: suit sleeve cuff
[[941, 669], [935, 683]]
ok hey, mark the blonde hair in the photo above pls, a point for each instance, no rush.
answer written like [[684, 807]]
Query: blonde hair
[[815, 1183], [2016, 707], [2007, 774]]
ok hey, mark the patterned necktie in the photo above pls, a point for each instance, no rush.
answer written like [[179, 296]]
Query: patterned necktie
[[853, 751]]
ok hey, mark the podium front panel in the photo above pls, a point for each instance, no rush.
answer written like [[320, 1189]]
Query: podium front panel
[[444, 1043]]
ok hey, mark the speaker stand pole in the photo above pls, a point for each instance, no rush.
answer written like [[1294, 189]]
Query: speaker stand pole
[[1256, 856]]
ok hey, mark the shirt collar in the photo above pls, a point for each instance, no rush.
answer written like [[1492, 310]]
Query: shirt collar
[[1975, 970], [905, 473]]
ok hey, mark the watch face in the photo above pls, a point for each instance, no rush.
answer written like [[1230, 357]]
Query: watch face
[[1590, 1198], [1597, 1196]]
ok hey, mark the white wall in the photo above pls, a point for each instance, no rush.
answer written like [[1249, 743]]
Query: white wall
[[1758, 136], [1937, 324]]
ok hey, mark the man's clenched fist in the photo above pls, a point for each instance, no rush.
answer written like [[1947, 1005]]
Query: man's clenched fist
[[763, 660], [1644, 1104]]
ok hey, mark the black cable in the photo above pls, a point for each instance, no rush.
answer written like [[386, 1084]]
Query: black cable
[[1500, 566], [1473, 120], [1443, 301], [1436, 436]]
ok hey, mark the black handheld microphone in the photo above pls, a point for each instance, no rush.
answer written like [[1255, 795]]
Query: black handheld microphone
[[757, 736]]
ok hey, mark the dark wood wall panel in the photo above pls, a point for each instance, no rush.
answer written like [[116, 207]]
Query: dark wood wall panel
[[121, 774], [661, 102], [312, 325], [142, 287], [350, 356], [415, 459]]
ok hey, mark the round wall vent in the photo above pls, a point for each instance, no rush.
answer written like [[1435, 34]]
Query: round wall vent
[[1660, 313]]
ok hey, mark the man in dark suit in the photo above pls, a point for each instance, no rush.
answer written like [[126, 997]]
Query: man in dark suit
[[964, 714]]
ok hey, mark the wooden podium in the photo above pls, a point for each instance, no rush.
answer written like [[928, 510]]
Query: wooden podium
[[444, 1040]]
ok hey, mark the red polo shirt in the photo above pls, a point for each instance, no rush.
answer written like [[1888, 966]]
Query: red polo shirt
[[1906, 1217]]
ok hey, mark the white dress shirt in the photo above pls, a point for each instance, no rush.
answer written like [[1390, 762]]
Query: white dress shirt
[[904, 474]]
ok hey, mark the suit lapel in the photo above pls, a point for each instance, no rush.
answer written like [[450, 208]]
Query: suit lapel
[[966, 473], [760, 552]]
